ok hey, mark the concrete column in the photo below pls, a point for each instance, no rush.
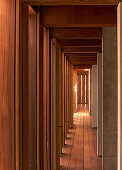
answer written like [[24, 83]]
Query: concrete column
[[99, 117], [119, 39], [109, 72], [94, 96]]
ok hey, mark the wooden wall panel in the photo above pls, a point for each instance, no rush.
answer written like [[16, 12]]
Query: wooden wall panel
[[46, 99], [71, 98], [40, 98], [7, 87], [53, 105], [17, 101], [38, 92], [25, 99], [65, 94], [32, 87], [63, 101], [69, 94], [58, 97], [56, 126]]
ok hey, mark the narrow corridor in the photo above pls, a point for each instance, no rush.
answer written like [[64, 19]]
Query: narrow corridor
[[80, 151]]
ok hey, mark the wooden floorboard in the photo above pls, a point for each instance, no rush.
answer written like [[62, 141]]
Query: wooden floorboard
[[80, 151]]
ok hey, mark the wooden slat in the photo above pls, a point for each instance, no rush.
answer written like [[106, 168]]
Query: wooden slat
[[79, 62], [25, 104], [80, 55], [53, 105], [69, 93], [7, 84], [78, 16], [82, 58], [63, 98], [72, 2], [82, 49], [32, 93], [65, 95], [81, 151], [76, 33], [80, 43], [17, 87], [85, 66]]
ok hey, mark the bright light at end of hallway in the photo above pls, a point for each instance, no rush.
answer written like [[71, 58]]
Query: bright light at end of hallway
[[81, 114], [75, 88]]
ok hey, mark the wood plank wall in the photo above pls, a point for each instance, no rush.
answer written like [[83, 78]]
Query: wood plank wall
[[32, 95], [7, 87]]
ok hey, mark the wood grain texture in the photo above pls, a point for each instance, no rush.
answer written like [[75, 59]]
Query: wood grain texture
[[79, 43], [71, 2], [32, 87], [80, 16], [85, 66], [80, 55], [79, 62], [63, 99], [25, 98], [53, 105], [7, 86], [82, 49], [80, 151], [65, 93], [76, 33], [17, 87]]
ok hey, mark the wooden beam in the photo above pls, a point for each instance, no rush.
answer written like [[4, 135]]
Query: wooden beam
[[84, 62], [82, 50], [83, 59], [78, 16], [76, 33], [80, 43], [82, 66], [71, 2], [80, 55]]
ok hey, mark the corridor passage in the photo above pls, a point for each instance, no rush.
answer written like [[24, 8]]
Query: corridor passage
[[80, 151]]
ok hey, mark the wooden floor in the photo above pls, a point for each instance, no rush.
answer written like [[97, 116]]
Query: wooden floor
[[80, 151]]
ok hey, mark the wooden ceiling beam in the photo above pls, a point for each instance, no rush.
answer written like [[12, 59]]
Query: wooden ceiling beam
[[82, 50], [83, 59], [82, 66], [79, 55], [76, 33], [71, 2], [79, 43], [78, 16], [83, 62]]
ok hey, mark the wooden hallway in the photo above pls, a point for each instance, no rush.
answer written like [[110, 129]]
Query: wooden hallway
[[80, 151]]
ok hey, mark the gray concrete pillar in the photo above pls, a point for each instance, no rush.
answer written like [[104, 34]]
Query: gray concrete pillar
[[109, 72], [119, 39], [99, 117], [94, 96]]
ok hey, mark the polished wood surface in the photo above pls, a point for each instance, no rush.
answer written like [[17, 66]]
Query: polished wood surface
[[76, 33], [7, 84], [80, 151], [72, 2], [80, 43], [78, 16], [82, 49]]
